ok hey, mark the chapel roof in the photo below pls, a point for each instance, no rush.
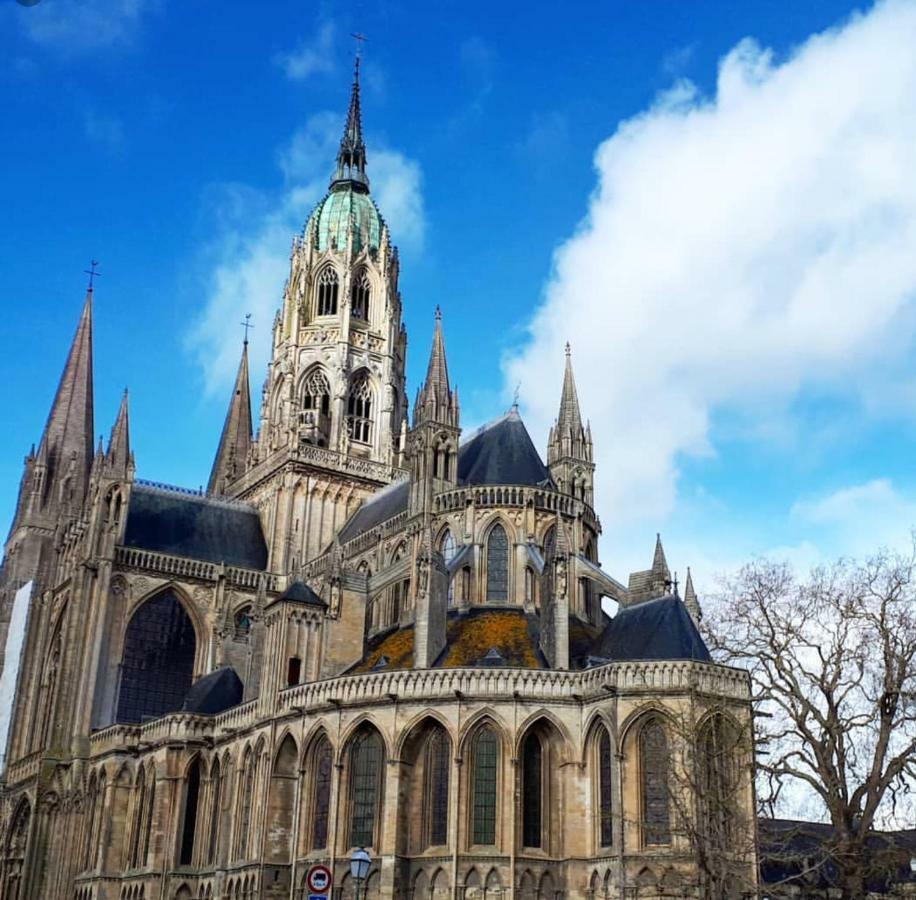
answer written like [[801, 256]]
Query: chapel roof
[[214, 693], [195, 526], [653, 629]]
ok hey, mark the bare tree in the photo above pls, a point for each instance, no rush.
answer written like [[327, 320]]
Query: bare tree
[[833, 666]]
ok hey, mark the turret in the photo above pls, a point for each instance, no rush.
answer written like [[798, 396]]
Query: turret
[[235, 440], [569, 446], [433, 442]]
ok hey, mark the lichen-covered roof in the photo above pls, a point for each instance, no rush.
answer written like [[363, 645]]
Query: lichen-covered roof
[[342, 209], [194, 526]]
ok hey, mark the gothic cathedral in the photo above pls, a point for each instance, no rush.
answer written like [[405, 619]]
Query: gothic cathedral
[[371, 631]]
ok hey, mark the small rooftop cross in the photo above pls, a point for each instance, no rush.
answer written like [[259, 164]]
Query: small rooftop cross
[[360, 40], [246, 325], [91, 272]]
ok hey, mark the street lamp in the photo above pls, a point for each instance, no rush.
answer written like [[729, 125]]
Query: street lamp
[[360, 862]]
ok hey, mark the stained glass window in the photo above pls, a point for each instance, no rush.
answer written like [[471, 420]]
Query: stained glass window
[[327, 292], [359, 296], [447, 549], [653, 755], [437, 772], [605, 790], [365, 784], [359, 410], [498, 566], [158, 661], [322, 769], [486, 755], [189, 828], [532, 791]]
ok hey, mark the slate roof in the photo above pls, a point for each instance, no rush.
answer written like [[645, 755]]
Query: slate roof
[[655, 629], [214, 693], [194, 526], [500, 452], [300, 592]]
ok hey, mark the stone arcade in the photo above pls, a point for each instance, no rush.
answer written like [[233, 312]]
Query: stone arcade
[[370, 631]]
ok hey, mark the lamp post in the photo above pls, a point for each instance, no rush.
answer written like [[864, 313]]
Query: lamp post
[[360, 862]]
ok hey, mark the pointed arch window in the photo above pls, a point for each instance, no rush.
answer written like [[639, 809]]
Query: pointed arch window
[[49, 688], [653, 764], [241, 625], [316, 394], [216, 799], [437, 776], [321, 800], [189, 824], [498, 566], [365, 788], [448, 549], [328, 286], [485, 762], [532, 791], [718, 781], [246, 777], [605, 795], [359, 410], [360, 294]]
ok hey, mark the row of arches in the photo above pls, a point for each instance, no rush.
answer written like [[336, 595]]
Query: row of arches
[[315, 415], [327, 291]]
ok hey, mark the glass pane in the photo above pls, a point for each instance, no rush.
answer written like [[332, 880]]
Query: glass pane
[[654, 764], [498, 566], [437, 762], [531, 792], [605, 789], [322, 795], [485, 761], [365, 772]]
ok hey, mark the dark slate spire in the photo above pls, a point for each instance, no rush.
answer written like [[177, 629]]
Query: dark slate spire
[[435, 400], [235, 441], [351, 157], [66, 447]]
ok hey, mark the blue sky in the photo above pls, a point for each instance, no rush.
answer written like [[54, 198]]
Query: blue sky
[[712, 201]]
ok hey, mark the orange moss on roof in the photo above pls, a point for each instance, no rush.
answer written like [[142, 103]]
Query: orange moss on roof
[[397, 647], [468, 639]]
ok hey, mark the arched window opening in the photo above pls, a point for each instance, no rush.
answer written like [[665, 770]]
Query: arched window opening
[[465, 594], [359, 410], [316, 409], [216, 800], [485, 761], [718, 781], [448, 549], [399, 600], [327, 292], [293, 671], [605, 808], [653, 758], [49, 689], [158, 661], [365, 788], [246, 777], [359, 296], [139, 834], [530, 590], [189, 826], [532, 791], [280, 802], [241, 625], [437, 775], [322, 766], [498, 566], [587, 595]]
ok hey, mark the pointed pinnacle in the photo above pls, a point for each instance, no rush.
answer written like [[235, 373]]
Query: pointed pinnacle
[[119, 442], [569, 416], [659, 563]]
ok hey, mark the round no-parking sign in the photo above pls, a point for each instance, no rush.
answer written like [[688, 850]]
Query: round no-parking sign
[[319, 879]]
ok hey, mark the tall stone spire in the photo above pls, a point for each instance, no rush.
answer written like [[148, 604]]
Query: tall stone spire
[[691, 601], [66, 448], [235, 441], [351, 157], [119, 456], [435, 400], [569, 445]]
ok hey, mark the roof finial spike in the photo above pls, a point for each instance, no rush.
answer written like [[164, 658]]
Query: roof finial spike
[[92, 273]]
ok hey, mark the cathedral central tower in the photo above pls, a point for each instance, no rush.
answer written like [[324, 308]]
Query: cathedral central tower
[[333, 405]]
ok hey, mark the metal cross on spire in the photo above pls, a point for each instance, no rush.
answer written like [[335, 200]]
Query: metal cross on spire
[[92, 273], [360, 40], [246, 325]]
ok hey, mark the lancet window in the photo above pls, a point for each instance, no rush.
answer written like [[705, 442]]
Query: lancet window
[[653, 764], [316, 393], [365, 787], [189, 824], [360, 294], [532, 790], [498, 566], [437, 776], [485, 761], [359, 410], [448, 549], [605, 790], [328, 286], [719, 780], [322, 765]]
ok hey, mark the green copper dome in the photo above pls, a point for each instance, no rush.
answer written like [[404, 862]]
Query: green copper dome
[[345, 208]]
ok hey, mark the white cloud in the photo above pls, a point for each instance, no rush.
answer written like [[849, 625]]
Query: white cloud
[[314, 56], [249, 259], [737, 251], [72, 27]]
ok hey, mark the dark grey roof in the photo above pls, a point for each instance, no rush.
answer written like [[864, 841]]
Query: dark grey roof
[[501, 453], [380, 507], [655, 629], [214, 692], [196, 527], [300, 593]]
